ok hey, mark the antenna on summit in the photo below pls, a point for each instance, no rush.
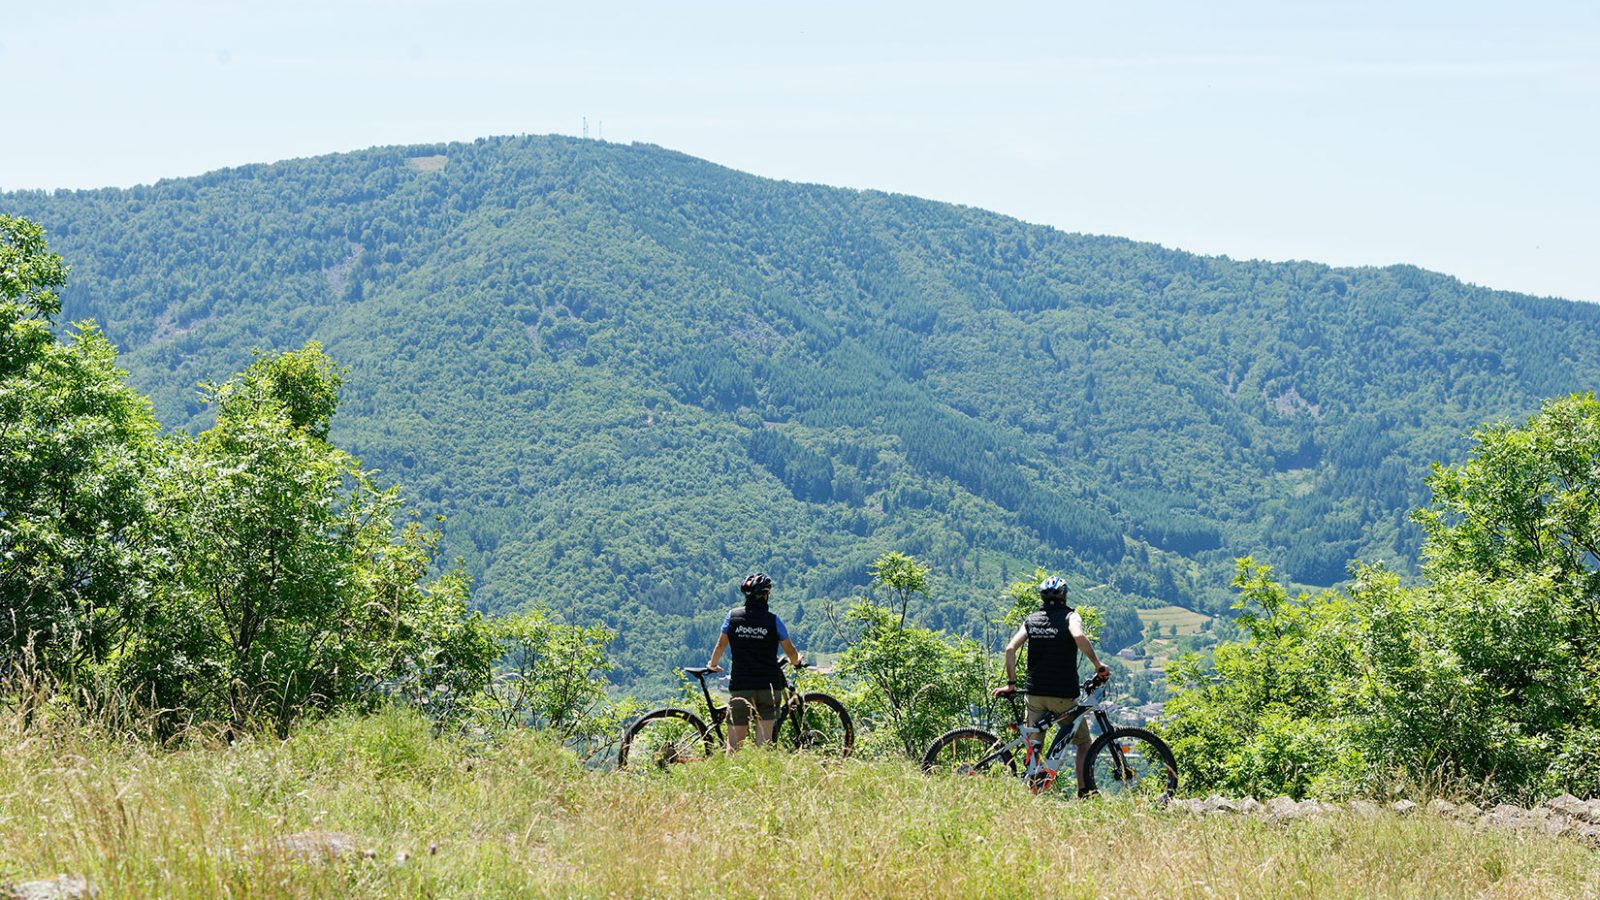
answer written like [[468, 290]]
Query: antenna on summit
[[586, 128]]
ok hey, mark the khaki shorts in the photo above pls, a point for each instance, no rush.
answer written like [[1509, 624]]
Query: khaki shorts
[[763, 700], [1039, 705]]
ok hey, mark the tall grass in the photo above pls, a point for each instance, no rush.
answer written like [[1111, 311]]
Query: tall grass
[[518, 816]]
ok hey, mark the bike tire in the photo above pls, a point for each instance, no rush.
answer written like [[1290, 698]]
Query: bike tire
[[961, 751], [1131, 762], [816, 723], [666, 736]]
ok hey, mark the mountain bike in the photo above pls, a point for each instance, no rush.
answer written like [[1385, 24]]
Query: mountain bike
[[1121, 761], [808, 721]]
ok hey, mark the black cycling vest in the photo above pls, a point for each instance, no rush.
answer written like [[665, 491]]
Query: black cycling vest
[[1052, 653], [753, 647]]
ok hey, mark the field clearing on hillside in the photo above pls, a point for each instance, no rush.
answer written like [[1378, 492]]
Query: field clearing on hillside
[[426, 163], [1187, 620], [425, 817]]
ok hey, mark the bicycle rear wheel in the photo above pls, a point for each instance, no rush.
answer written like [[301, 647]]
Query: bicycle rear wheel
[[1131, 762], [816, 723], [969, 751], [665, 737]]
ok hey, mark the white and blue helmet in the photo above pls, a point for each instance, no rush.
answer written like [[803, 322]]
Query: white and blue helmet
[[1053, 589]]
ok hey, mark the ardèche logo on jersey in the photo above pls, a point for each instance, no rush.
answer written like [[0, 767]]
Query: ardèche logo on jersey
[[1042, 630], [750, 631]]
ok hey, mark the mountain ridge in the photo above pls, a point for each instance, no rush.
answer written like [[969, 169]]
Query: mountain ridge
[[247, 168]]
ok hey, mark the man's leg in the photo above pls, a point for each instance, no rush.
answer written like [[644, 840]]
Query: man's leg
[[764, 731], [766, 712], [1080, 738], [739, 710], [1033, 709]]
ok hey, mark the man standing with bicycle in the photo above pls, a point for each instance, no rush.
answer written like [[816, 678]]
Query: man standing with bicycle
[[753, 634], [1054, 635]]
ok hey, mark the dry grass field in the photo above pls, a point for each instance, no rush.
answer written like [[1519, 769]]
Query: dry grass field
[[1187, 620], [379, 807]]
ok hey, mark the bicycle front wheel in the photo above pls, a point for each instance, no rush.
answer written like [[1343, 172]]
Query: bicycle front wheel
[[816, 723], [1131, 762], [969, 751], [665, 737]]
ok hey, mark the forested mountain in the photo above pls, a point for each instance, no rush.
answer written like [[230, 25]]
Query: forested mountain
[[627, 377]]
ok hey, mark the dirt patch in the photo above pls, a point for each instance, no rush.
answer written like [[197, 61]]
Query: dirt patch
[[426, 163]]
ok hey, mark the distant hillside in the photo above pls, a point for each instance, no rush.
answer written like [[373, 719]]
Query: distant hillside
[[628, 377]]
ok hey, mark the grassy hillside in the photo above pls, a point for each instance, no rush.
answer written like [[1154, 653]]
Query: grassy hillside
[[628, 377], [422, 816]]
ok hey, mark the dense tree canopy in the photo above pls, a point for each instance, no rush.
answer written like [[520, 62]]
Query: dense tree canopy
[[77, 450], [249, 574], [1484, 677]]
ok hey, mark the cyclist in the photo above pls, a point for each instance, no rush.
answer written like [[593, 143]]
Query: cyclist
[[1054, 635], [753, 634]]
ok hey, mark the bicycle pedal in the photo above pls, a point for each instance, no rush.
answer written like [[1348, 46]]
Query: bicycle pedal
[[1042, 781]]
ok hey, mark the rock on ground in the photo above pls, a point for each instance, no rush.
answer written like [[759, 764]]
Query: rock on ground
[[1564, 816], [1441, 808], [1286, 809], [318, 846], [61, 887], [1509, 815], [1573, 808]]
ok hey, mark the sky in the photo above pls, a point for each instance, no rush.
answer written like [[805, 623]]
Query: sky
[[1462, 136]]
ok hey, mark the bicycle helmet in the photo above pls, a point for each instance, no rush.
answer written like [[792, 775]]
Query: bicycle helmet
[[1053, 589], [758, 583]]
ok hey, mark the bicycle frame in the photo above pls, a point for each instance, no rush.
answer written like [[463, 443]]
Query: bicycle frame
[[1051, 758], [719, 713]]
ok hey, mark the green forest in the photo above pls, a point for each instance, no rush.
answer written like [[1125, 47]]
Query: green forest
[[626, 377], [492, 431]]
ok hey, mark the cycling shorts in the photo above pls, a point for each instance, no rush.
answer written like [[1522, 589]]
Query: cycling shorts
[[1038, 705], [764, 701]]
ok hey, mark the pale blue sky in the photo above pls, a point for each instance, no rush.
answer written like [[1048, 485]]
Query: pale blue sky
[[1459, 136]]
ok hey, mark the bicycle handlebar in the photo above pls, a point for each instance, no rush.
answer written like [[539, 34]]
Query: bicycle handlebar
[[701, 671], [1088, 687]]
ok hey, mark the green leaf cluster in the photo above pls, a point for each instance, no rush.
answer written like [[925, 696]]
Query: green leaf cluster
[[910, 682], [249, 574], [1483, 678], [552, 676]]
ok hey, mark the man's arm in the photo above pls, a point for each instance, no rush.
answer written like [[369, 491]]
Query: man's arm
[[716, 654], [1017, 640], [785, 643], [1075, 627]]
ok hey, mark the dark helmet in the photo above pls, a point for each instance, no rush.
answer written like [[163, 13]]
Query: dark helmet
[[1053, 589], [758, 583]]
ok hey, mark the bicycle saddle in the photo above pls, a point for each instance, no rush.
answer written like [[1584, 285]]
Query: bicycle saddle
[[700, 671]]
